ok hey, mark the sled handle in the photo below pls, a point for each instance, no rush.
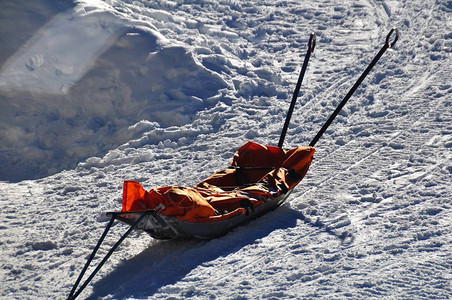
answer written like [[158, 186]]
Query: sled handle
[[311, 42], [311, 46], [388, 44], [73, 294], [91, 257]]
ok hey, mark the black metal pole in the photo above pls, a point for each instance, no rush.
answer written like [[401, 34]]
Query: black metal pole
[[92, 256], [356, 85], [107, 256], [311, 46]]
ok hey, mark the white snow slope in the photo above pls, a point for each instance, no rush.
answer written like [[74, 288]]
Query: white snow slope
[[163, 92]]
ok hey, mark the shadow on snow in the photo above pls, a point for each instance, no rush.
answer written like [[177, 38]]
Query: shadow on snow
[[167, 262]]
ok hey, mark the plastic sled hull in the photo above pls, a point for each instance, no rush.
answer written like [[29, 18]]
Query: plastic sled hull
[[165, 227]]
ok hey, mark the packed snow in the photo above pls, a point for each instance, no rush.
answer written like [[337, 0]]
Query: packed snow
[[93, 93]]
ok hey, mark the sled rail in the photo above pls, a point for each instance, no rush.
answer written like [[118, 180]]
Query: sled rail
[[114, 215], [311, 47], [388, 44]]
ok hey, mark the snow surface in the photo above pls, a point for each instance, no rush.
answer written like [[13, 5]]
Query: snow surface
[[163, 92]]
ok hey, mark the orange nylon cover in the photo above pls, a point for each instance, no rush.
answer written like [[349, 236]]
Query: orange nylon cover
[[259, 173], [255, 163], [186, 203], [262, 158]]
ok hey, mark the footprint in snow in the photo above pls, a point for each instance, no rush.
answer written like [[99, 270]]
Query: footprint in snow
[[35, 62]]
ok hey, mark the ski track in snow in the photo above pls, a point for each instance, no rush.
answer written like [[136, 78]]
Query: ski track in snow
[[372, 218]]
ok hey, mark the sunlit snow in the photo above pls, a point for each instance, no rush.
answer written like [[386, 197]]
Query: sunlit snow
[[163, 92]]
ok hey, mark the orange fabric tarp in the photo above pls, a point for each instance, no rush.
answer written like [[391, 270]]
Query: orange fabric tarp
[[257, 173], [253, 163], [186, 203]]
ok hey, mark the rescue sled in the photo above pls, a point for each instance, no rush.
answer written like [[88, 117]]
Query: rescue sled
[[259, 179]]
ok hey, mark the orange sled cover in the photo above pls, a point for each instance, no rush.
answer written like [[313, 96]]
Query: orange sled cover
[[257, 173]]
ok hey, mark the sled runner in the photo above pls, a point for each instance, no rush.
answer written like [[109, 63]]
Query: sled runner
[[259, 179]]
